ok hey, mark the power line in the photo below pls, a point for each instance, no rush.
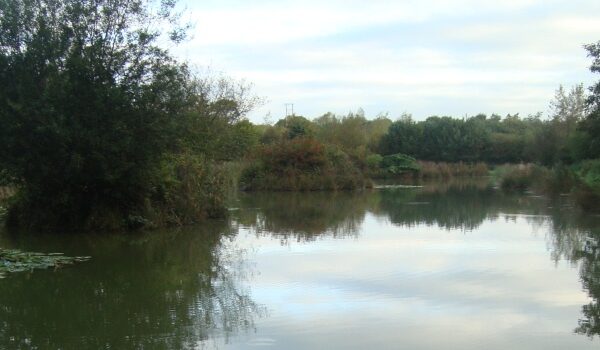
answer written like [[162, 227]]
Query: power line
[[289, 109]]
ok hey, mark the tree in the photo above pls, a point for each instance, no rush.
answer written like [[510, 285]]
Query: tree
[[591, 125], [403, 136], [90, 105], [570, 107], [567, 110], [296, 126]]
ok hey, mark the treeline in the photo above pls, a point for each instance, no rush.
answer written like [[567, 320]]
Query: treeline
[[563, 137], [494, 139]]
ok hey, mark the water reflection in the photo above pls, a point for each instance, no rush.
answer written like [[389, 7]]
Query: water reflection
[[190, 288], [590, 278], [304, 216], [576, 237], [164, 290], [450, 205], [465, 205]]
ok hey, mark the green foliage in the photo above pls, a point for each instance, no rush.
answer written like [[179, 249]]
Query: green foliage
[[189, 189], [272, 134], [301, 164], [399, 163], [439, 139], [403, 136], [589, 171], [517, 178], [296, 126], [91, 107], [374, 162], [353, 133], [591, 124], [493, 140]]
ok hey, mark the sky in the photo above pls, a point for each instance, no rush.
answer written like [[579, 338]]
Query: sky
[[424, 57]]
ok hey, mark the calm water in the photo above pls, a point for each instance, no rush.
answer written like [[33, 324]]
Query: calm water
[[456, 266]]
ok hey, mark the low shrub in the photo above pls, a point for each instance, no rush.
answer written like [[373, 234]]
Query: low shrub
[[587, 190], [518, 180], [589, 172], [190, 189], [429, 170], [373, 162], [399, 164]]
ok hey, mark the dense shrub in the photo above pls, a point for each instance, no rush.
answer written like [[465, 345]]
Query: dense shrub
[[185, 189], [518, 178], [373, 162], [300, 164], [587, 190], [589, 171], [399, 164]]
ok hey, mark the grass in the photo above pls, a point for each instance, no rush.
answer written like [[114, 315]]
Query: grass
[[432, 170]]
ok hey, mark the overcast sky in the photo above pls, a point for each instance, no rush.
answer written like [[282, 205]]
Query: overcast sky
[[425, 57]]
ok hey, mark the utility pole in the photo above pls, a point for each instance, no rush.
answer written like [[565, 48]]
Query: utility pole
[[289, 109]]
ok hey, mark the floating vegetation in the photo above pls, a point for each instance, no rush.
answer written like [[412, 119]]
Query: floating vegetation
[[13, 260]]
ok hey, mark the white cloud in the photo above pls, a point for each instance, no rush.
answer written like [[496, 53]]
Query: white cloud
[[340, 55]]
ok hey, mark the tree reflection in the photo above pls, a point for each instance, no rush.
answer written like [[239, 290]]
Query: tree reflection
[[590, 278], [450, 205], [307, 216], [304, 216], [576, 237], [171, 290]]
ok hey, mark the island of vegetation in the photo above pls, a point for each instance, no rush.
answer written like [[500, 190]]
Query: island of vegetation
[[101, 128]]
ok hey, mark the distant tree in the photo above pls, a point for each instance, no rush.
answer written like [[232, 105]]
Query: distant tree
[[403, 136], [296, 126], [567, 110], [442, 139], [475, 140], [570, 107], [376, 129]]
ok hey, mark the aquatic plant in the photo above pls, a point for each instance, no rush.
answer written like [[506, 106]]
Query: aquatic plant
[[14, 260]]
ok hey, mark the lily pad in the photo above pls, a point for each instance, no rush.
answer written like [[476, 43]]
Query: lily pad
[[14, 260]]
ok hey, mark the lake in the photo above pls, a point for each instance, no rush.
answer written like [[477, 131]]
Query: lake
[[456, 265]]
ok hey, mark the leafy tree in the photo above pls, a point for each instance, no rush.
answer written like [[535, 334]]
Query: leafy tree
[[296, 126], [403, 136], [91, 105], [376, 129], [442, 139], [591, 124], [570, 107]]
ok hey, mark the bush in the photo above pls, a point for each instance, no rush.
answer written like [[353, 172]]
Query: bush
[[191, 189], [184, 189], [301, 164], [399, 163], [373, 162], [589, 171], [587, 190], [518, 180]]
